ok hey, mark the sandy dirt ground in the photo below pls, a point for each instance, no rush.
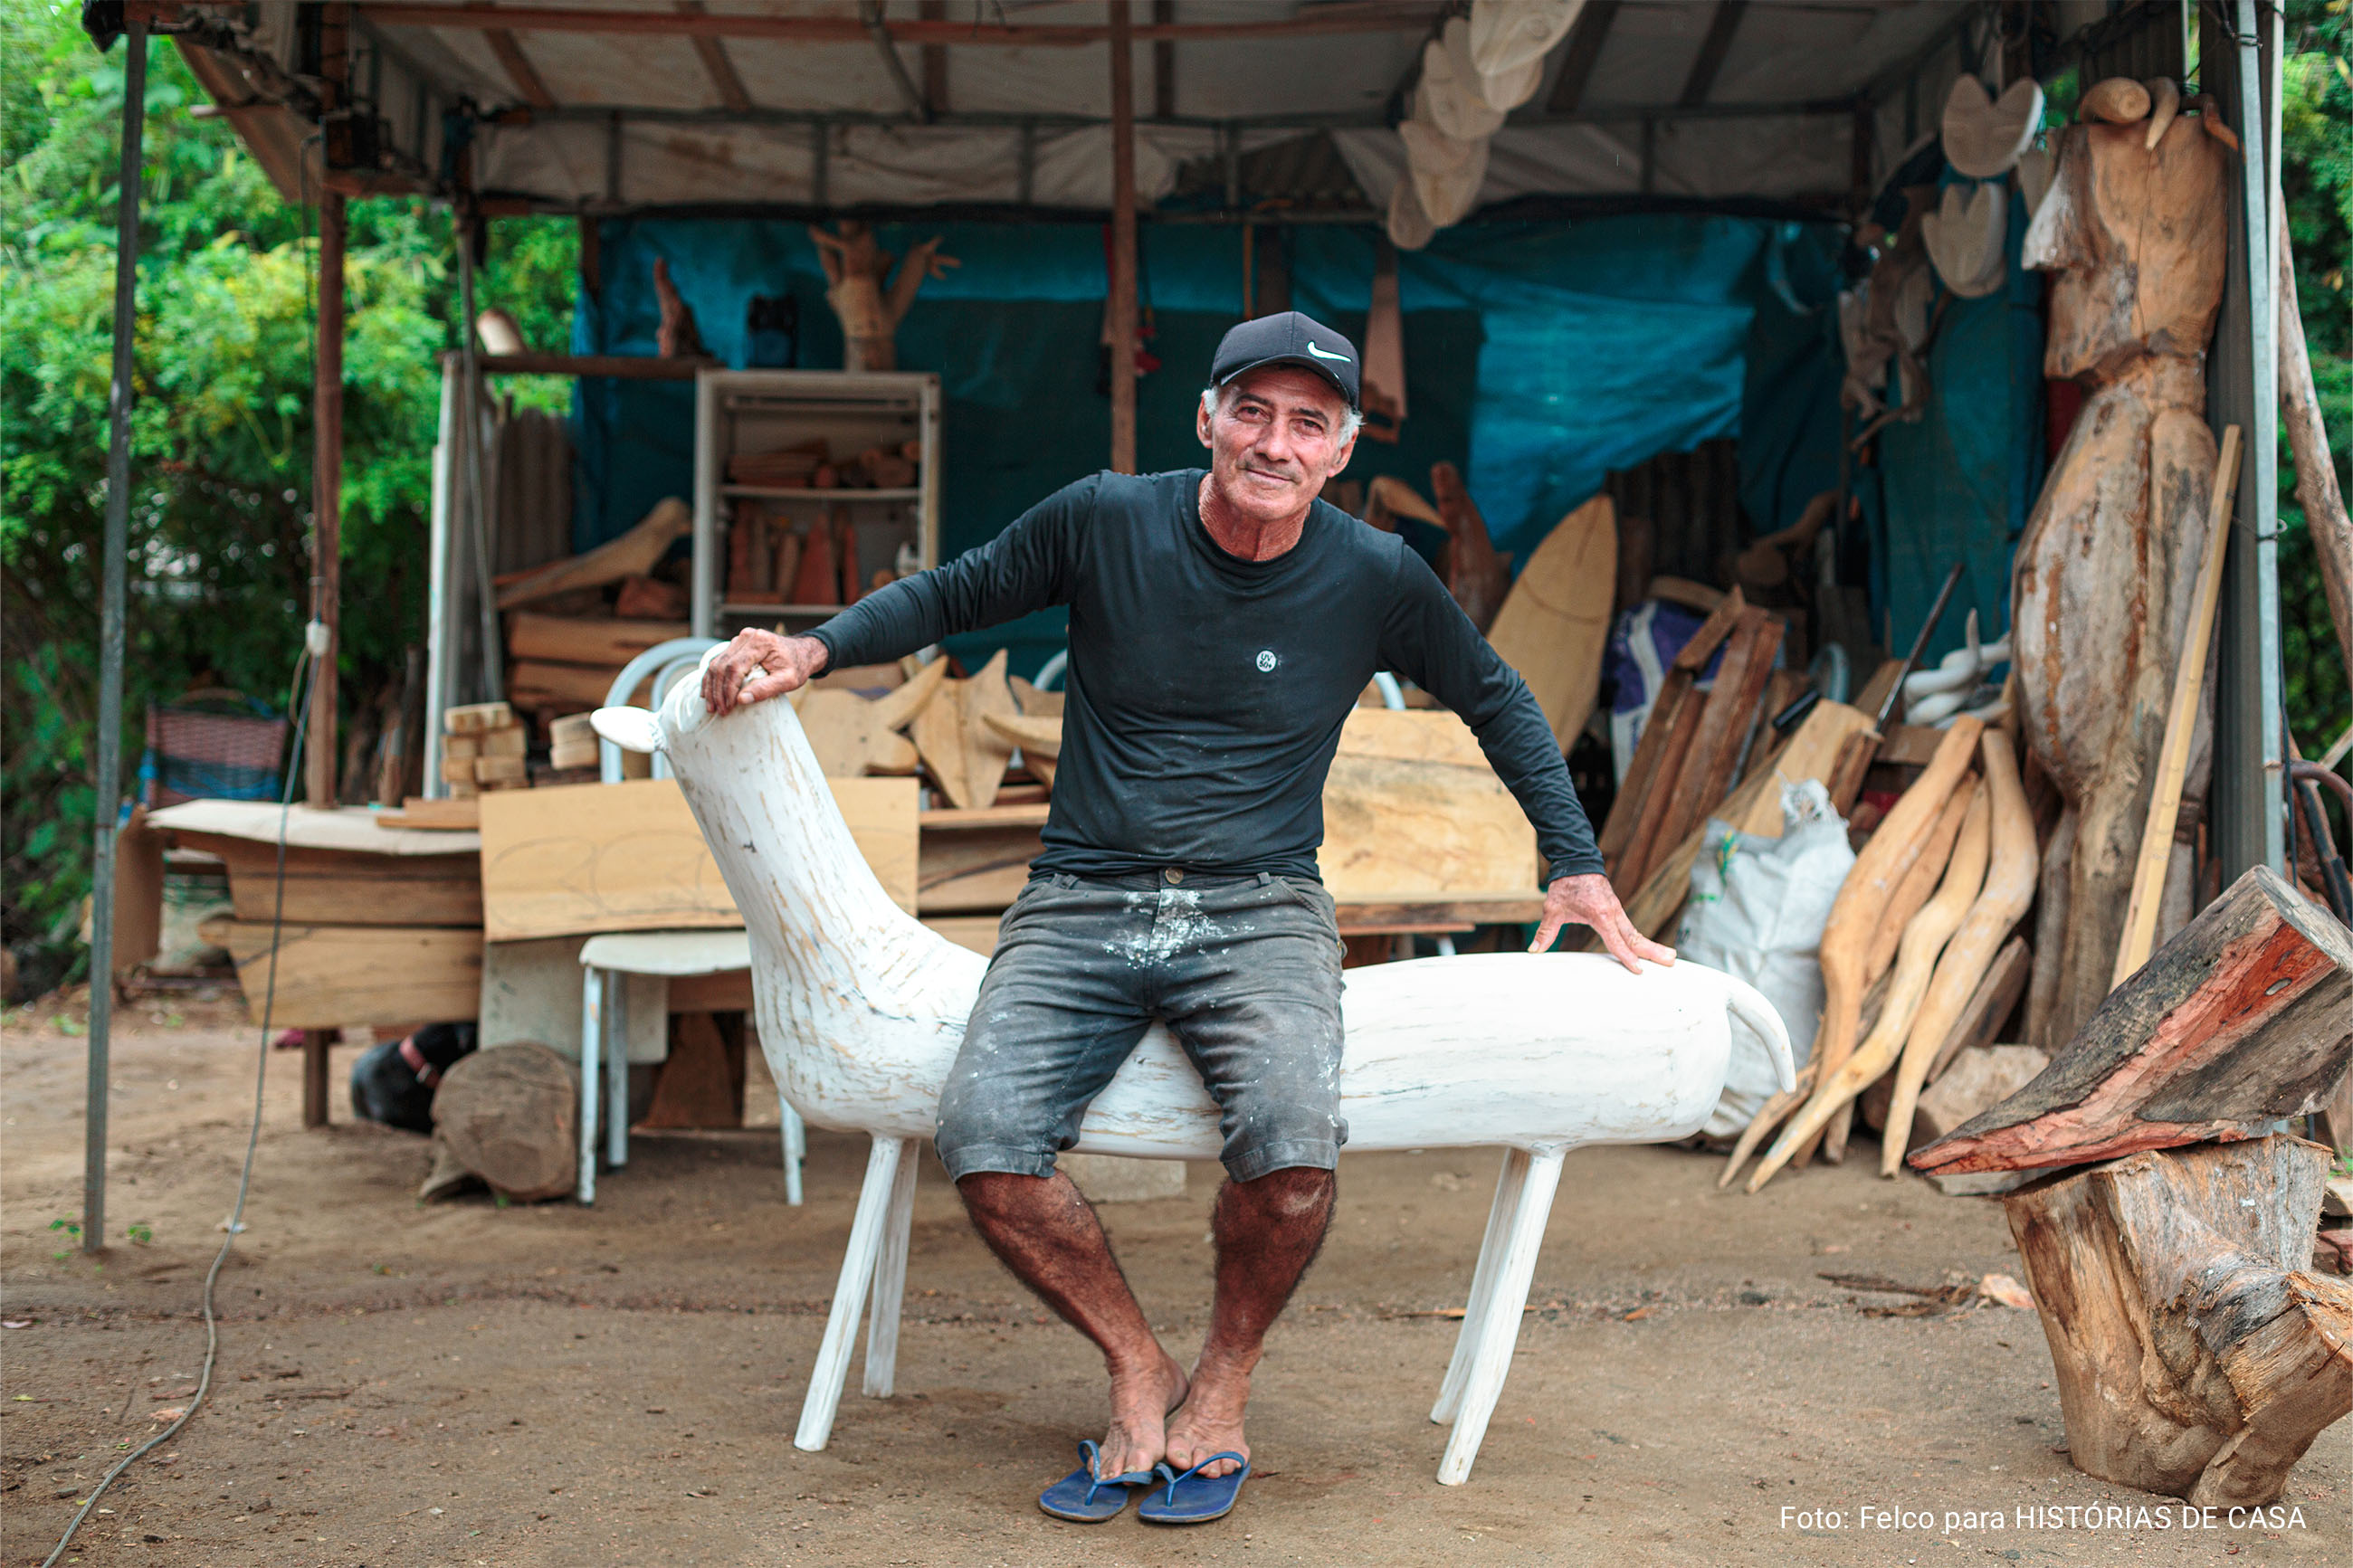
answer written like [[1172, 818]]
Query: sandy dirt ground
[[475, 1384]]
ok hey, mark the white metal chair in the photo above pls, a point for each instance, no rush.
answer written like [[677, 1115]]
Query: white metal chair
[[605, 960]]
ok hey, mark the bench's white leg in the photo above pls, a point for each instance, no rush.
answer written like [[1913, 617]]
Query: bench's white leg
[[1509, 1183], [1523, 1239], [832, 1366], [617, 1069], [795, 1149], [891, 1277], [592, 1041]]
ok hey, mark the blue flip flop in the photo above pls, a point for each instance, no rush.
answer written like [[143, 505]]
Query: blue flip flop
[[1081, 1499], [1193, 1498]]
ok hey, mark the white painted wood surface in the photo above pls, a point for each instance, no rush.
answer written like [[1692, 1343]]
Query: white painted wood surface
[[861, 1010]]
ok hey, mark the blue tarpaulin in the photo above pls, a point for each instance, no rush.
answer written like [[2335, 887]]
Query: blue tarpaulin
[[1539, 356]]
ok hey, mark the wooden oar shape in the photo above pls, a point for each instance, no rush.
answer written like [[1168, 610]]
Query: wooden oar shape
[[1912, 892], [2008, 889], [1923, 938], [1868, 888]]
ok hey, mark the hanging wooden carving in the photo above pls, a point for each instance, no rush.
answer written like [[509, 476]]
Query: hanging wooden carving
[[855, 268]]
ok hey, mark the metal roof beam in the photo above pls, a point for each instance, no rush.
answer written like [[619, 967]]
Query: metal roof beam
[[715, 63], [1712, 51], [1339, 18], [1586, 38]]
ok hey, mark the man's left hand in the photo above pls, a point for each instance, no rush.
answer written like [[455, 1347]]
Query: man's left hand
[[1590, 901]]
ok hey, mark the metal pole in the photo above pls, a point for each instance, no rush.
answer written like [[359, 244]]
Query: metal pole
[[469, 425], [111, 639]]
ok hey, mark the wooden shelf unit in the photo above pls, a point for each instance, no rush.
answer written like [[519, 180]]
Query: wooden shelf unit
[[745, 411]]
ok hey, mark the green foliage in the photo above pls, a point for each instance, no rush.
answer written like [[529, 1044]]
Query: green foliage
[[221, 460], [2316, 183]]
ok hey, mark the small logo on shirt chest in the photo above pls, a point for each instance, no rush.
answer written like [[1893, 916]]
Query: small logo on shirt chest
[[1267, 661]]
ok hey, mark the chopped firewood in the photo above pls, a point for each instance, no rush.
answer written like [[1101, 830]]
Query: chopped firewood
[[2195, 1354], [2009, 889], [2242, 1019], [633, 554]]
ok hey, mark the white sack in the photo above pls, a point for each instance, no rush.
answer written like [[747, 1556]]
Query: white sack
[[1756, 911]]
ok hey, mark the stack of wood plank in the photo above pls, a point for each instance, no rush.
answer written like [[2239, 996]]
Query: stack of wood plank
[[483, 748], [378, 926], [566, 664]]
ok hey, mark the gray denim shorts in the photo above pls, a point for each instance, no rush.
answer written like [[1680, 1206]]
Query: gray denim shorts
[[1245, 970]]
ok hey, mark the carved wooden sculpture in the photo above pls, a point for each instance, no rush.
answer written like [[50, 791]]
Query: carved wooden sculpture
[[861, 1011], [2136, 240], [855, 267]]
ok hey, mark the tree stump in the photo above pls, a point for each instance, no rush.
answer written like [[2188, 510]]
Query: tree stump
[[510, 1114], [2244, 1018], [2195, 1356]]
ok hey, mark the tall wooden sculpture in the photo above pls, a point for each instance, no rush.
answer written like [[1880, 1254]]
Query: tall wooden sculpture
[[855, 267], [2133, 232]]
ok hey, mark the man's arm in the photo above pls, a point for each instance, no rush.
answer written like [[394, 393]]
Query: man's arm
[[1433, 642], [1028, 566]]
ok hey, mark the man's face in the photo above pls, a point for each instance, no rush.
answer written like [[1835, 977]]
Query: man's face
[[1274, 440]]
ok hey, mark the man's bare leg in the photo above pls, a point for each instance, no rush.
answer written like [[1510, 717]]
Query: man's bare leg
[[1268, 1232], [1043, 1231]]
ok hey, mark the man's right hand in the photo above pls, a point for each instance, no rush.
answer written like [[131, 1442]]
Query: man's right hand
[[770, 664]]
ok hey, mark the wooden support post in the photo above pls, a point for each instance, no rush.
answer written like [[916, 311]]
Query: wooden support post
[[1164, 63], [314, 1078], [1122, 239], [326, 502]]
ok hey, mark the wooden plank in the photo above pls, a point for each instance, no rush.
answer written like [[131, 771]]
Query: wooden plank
[[950, 820], [519, 67], [576, 859], [418, 814], [977, 933], [976, 868], [729, 991], [1909, 745], [573, 639], [1674, 748], [1724, 723], [331, 975], [1392, 827], [1411, 735], [1989, 1005], [534, 685], [328, 887], [2180, 726], [1555, 624], [625, 367], [1415, 911], [717, 66], [350, 828], [1642, 772]]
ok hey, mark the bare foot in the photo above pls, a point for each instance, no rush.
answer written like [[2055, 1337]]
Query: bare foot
[[1210, 1421], [1140, 1404]]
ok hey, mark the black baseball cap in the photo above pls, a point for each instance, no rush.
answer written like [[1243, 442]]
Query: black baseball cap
[[1289, 338]]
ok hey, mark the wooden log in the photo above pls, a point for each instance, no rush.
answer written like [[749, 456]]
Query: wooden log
[[329, 976], [578, 640], [2009, 889], [2244, 1018], [509, 1114], [2181, 725], [2195, 1356], [633, 554], [2325, 519], [1925, 935], [1863, 898]]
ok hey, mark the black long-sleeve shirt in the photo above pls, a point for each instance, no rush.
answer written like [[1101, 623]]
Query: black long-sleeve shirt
[[1207, 692]]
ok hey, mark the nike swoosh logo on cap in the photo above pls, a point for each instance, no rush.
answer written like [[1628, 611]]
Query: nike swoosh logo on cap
[[1321, 353]]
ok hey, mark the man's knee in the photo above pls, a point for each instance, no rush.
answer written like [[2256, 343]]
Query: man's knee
[[1292, 1194]]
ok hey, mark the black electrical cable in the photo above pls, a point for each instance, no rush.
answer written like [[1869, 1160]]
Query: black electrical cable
[[235, 1223]]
